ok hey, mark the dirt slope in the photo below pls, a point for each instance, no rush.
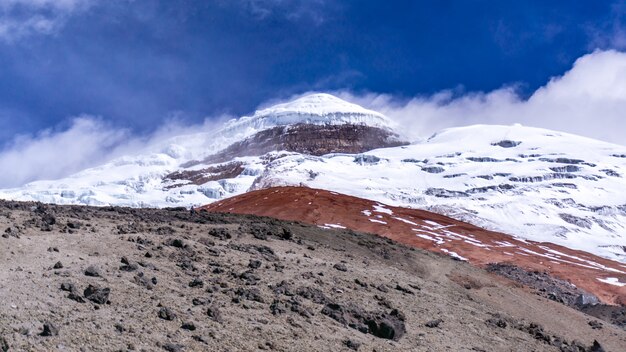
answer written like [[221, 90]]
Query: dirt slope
[[434, 232], [108, 279]]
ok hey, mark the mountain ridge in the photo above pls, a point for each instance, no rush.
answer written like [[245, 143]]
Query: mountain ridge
[[533, 183], [434, 232]]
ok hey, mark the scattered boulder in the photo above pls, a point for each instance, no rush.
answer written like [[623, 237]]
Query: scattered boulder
[[176, 243], [278, 307], [196, 282], [73, 292], [284, 288], [596, 347], [404, 290], [47, 221], [254, 264], [286, 234], [73, 225], [220, 233], [536, 330], [313, 294], [249, 278], [586, 299], [251, 294], [293, 305], [496, 322], [127, 265], [165, 231], [353, 345], [68, 286], [76, 297], [433, 323], [11, 232], [190, 326], [199, 301], [58, 265], [214, 314], [97, 294], [341, 267], [120, 328], [361, 283], [92, 271], [595, 325], [547, 286], [166, 314], [383, 325], [4, 345], [141, 280], [49, 329]]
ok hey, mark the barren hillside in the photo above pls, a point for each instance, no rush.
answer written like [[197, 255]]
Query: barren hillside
[[106, 279]]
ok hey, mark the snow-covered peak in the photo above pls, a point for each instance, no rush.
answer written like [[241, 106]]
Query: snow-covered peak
[[530, 182], [479, 134], [321, 104], [317, 109]]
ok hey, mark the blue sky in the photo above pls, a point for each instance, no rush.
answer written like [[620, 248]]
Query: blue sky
[[135, 65], [138, 62]]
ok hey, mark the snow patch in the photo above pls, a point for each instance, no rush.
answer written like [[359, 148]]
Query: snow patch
[[406, 221], [453, 254], [612, 281], [335, 226], [380, 208]]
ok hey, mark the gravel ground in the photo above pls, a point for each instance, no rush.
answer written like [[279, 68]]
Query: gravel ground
[[117, 279]]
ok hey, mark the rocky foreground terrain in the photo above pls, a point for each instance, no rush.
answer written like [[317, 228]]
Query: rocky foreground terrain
[[78, 278]]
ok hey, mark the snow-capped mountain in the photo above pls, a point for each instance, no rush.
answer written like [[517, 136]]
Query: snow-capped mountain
[[528, 182], [532, 183], [316, 109], [141, 180]]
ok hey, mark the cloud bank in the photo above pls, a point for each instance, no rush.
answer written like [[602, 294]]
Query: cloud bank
[[54, 154], [588, 100], [22, 18], [88, 141], [292, 10]]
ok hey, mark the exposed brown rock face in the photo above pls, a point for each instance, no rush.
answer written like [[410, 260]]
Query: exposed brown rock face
[[308, 139], [434, 232], [213, 173]]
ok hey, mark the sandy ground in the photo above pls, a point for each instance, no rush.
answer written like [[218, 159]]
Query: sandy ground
[[181, 281]]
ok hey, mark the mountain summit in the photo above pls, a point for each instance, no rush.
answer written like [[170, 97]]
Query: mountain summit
[[316, 109], [533, 183], [199, 168]]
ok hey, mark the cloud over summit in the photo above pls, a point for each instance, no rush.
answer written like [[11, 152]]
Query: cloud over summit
[[588, 100], [22, 18]]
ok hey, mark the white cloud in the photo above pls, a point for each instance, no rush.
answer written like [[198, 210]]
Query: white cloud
[[88, 141], [589, 100], [52, 154], [292, 10], [610, 33], [22, 18]]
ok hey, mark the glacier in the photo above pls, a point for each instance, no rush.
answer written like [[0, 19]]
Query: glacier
[[529, 182]]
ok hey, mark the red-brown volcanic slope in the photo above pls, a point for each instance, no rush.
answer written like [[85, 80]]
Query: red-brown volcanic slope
[[433, 232]]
